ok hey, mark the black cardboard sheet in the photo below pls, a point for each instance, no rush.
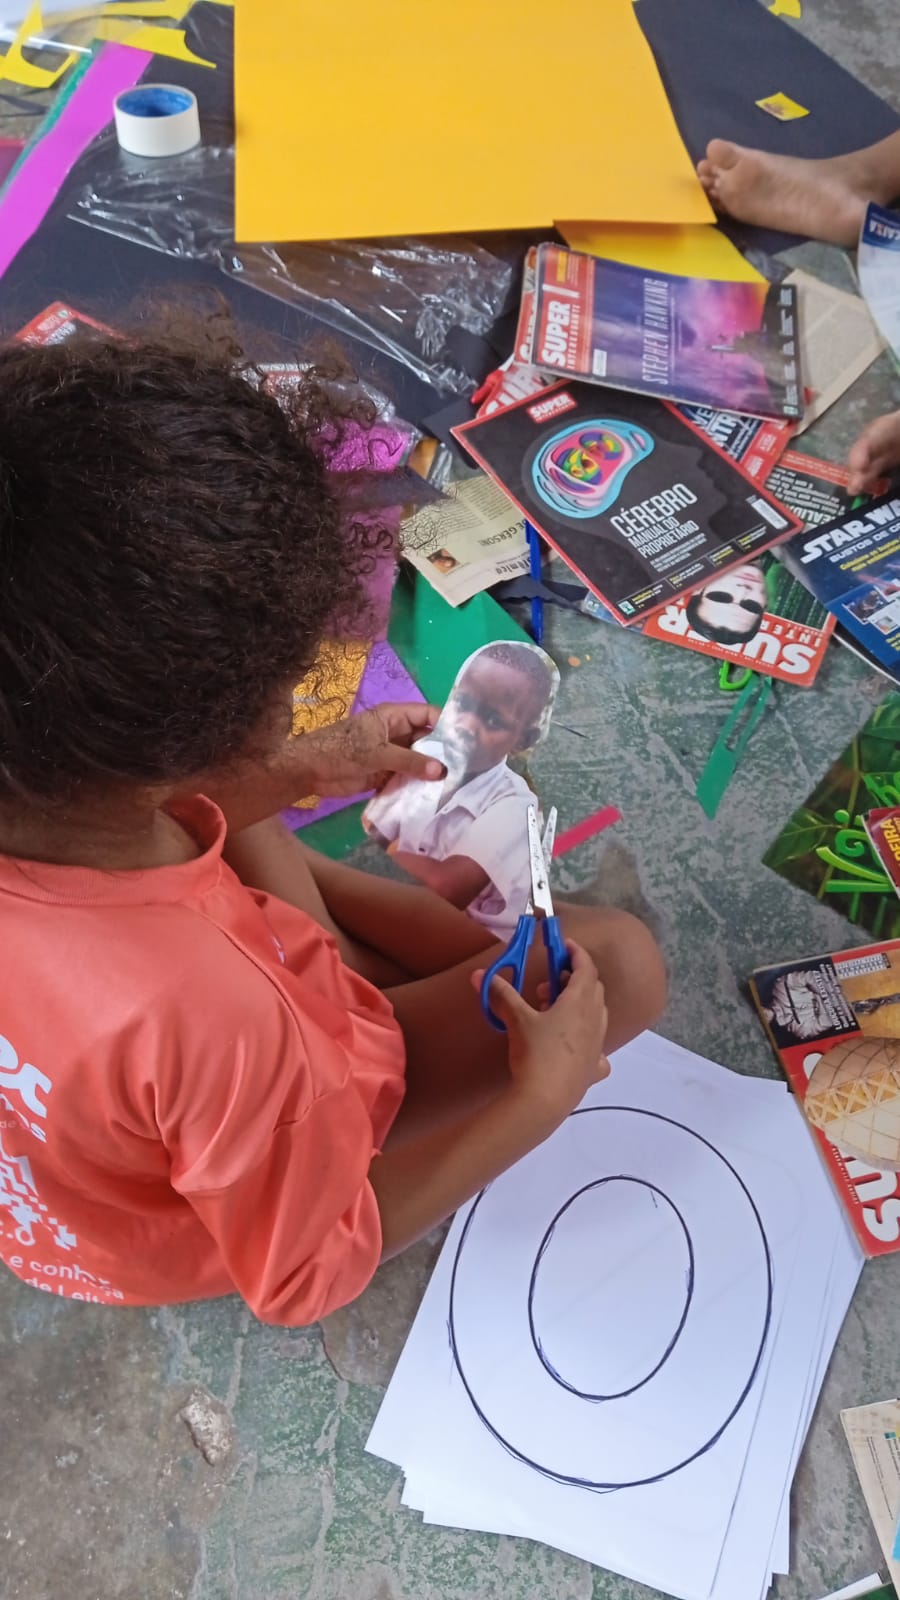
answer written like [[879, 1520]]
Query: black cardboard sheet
[[716, 58]]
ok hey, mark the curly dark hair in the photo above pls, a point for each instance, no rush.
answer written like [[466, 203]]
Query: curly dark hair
[[173, 552]]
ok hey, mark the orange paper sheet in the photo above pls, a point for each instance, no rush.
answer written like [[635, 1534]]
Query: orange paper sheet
[[396, 117]]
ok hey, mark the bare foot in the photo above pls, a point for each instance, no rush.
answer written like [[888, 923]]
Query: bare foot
[[823, 199], [876, 452]]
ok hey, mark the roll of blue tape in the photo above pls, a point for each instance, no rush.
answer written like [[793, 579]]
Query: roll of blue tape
[[157, 119]]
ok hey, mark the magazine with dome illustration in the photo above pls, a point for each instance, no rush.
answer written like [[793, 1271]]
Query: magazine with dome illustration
[[635, 497], [834, 1023], [734, 346]]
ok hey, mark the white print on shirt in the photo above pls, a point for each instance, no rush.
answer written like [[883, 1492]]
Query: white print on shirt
[[18, 1193], [24, 1081], [21, 1207]]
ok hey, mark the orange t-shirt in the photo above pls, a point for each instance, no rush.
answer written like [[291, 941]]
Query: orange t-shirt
[[192, 1088]]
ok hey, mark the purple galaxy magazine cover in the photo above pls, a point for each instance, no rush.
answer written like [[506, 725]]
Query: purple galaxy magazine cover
[[732, 346]]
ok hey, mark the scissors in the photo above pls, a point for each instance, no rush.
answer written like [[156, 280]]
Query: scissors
[[539, 909]]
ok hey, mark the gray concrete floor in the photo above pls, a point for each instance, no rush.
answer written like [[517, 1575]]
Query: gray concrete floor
[[104, 1493]]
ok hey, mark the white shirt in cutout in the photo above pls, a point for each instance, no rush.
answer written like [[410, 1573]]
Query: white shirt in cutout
[[485, 820]]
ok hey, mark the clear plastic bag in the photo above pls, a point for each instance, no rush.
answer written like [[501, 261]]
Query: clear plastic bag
[[408, 298]]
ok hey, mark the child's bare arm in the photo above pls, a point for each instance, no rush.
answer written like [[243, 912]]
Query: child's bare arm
[[457, 879]]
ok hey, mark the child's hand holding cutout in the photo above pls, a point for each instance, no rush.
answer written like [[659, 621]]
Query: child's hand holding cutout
[[362, 752]]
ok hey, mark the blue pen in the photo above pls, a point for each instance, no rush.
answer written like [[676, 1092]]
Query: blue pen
[[537, 604]]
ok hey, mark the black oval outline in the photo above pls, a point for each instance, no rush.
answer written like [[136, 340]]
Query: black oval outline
[[659, 1477], [621, 1394]]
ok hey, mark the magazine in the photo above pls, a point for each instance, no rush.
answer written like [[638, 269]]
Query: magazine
[[883, 830], [876, 265], [60, 322], [824, 848], [755, 442], [834, 1023], [732, 346], [852, 564], [637, 500], [760, 615]]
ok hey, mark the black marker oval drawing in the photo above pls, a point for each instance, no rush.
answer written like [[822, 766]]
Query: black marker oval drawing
[[745, 1380], [615, 1394]]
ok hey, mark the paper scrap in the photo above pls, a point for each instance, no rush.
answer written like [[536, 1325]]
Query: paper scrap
[[855, 1591], [782, 107], [471, 539], [121, 22], [873, 1435], [692, 250], [878, 266], [586, 829], [345, 105], [838, 341], [785, 8]]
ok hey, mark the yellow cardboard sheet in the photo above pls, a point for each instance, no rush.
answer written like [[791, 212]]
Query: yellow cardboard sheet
[[691, 251], [397, 117]]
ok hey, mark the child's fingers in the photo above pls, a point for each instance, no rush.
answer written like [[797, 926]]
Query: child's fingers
[[396, 758]]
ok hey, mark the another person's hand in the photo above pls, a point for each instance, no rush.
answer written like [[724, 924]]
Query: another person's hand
[[362, 752], [875, 454], [555, 1054]]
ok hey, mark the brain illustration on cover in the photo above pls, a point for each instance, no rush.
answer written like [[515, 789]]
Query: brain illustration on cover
[[581, 469]]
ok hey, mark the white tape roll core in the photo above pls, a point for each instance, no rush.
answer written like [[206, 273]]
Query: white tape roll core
[[157, 119]]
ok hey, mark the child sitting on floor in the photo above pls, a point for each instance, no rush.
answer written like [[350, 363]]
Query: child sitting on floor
[[467, 838], [227, 1063]]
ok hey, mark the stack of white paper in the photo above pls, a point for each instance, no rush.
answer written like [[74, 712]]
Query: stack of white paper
[[624, 1338]]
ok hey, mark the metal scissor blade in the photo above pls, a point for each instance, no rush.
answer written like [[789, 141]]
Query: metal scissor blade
[[541, 899], [549, 838]]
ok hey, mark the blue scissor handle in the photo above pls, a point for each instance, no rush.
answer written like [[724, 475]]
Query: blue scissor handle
[[513, 960], [558, 958]]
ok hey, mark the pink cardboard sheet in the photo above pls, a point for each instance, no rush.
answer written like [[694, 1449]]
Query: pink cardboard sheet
[[32, 189]]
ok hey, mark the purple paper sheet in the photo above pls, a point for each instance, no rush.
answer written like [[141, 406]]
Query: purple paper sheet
[[32, 190], [385, 678]]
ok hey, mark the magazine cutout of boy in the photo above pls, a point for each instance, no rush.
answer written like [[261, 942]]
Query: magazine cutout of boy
[[466, 838]]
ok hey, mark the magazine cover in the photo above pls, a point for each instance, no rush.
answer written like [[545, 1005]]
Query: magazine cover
[[732, 346], [755, 442], [58, 323], [834, 1022], [825, 849], [852, 565], [637, 501], [883, 830], [760, 614]]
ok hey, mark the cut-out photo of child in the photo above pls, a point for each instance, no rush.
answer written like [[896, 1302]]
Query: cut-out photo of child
[[466, 838]]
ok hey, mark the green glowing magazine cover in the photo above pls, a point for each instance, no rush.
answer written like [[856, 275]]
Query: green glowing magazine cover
[[825, 849]]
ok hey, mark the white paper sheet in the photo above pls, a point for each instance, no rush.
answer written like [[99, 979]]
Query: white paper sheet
[[613, 1270]]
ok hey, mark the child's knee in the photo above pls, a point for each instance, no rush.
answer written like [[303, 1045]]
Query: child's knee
[[629, 962]]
